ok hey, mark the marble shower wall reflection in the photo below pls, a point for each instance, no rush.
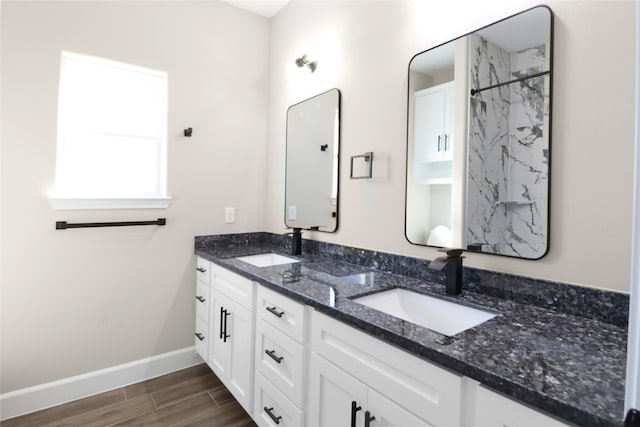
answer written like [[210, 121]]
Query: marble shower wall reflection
[[508, 151]]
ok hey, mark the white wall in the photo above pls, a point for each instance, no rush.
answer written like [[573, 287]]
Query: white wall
[[364, 48], [75, 301]]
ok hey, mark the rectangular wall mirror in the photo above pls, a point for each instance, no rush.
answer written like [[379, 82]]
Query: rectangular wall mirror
[[478, 147], [312, 165]]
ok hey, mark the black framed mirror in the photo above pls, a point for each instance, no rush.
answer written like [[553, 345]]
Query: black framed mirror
[[312, 164], [479, 135]]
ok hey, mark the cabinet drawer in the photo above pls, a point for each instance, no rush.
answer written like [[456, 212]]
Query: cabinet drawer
[[236, 287], [430, 392], [203, 270], [202, 339], [281, 360], [202, 301], [273, 408], [494, 410], [281, 312]]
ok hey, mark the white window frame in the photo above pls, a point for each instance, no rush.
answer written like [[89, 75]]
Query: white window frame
[[61, 200]]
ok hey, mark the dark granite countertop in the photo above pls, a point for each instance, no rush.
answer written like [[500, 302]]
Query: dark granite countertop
[[570, 367]]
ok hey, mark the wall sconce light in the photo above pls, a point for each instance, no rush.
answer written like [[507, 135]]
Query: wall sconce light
[[302, 61]]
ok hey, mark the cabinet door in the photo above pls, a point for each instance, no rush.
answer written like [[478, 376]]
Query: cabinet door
[[389, 414], [428, 126], [239, 331], [449, 111], [332, 392], [231, 355], [219, 350]]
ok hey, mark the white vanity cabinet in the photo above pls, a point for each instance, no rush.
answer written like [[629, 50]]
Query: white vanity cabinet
[[355, 377], [228, 331], [280, 360]]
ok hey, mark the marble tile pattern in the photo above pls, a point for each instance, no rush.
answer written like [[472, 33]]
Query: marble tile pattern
[[569, 366], [508, 152]]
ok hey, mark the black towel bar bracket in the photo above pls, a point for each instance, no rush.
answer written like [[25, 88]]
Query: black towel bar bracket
[[63, 225]]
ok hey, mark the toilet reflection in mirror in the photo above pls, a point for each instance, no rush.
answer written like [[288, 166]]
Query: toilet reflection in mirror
[[479, 138]]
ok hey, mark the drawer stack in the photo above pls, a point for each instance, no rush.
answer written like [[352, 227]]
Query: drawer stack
[[203, 296], [279, 360]]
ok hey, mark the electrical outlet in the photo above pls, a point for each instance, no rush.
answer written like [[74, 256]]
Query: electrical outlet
[[229, 215]]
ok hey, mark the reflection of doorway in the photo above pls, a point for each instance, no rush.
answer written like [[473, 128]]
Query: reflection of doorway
[[632, 399]]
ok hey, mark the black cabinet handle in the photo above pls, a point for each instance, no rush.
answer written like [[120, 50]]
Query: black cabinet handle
[[272, 354], [199, 336], [222, 310], [446, 141], [439, 147], [354, 408], [224, 335], [368, 418], [275, 311], [201, 270], [273, 417], [199, 298]]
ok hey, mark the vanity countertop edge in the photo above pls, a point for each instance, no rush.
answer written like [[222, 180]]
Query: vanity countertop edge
[[569, 367]]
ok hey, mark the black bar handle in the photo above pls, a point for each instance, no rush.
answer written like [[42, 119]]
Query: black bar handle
[[368, 418], [199, 336], [222, 310], [439, 139], [272, 354], [199, 298], [63, 225], [225, 335], [273, 417], [354, 408], [275, 311], [201, 270]]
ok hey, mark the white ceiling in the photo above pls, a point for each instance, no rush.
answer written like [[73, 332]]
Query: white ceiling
[[266, 8]]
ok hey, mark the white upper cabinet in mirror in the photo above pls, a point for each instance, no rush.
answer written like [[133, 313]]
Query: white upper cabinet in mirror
[[478, 148], [313, 148]]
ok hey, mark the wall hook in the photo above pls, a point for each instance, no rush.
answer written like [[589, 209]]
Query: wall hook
[[324, 147], [188, 132]]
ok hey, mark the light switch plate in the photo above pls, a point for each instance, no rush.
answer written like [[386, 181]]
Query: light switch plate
[[229, 215], [293, 213]]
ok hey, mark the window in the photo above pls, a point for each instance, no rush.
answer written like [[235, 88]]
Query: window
[[111, 135]]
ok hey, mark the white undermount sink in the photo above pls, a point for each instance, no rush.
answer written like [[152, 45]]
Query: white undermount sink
[[441, 316], [267, 260]]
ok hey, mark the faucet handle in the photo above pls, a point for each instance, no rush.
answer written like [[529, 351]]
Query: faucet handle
[[451, 252]]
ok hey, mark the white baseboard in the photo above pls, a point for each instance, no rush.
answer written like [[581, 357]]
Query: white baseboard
[[43, 396]]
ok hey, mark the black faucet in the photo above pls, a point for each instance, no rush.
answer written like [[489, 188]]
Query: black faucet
[[452, 267], [296, 241]]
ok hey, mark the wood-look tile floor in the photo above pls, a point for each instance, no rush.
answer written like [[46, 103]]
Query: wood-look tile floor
[[191, 397]]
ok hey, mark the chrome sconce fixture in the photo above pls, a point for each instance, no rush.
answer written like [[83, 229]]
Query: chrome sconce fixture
[[302, 61]]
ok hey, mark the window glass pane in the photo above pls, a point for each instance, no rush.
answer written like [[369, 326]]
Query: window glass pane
[[111, 130]]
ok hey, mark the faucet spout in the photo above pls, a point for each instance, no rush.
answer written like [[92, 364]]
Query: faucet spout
[[452, 267]]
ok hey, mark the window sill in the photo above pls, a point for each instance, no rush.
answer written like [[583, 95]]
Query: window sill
[[61, 203]]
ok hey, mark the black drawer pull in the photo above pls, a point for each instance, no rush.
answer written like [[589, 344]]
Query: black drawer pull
[[273, 417], [272, 354], [368, 418], [201, 270], [199, 336], [354, 408], [199, 298], [275, 311]]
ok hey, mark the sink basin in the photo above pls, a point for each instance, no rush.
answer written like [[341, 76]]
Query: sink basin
[[441, 316], [267, 260]]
